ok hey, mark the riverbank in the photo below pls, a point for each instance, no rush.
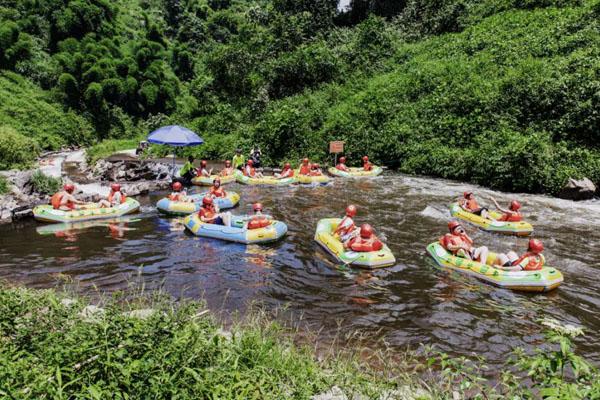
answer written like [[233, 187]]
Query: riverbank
[[58, 345]]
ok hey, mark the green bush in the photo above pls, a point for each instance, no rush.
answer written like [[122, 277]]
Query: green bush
[[45, 184], [108, 147], [3, 185], [16, 150]]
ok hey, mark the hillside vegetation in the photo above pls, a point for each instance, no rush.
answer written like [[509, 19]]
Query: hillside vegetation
[[500, 93]]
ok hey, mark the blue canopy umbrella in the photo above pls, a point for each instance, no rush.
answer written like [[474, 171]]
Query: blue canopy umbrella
[[175, 135]]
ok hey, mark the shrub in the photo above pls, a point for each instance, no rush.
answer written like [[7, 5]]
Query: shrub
[[3, 185], [45, 184], [16, 150]]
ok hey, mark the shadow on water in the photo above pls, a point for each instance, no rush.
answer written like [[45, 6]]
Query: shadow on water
[[409, 303]]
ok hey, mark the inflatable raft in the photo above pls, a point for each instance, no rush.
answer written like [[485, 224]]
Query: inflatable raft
[[46, 213], [267, 180], [356, 172], [237, 232], [170, 207], [544, 280], [373, 259], [521, 228], [311, 180], [208, 180]]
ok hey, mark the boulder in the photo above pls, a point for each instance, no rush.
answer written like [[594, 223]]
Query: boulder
[[22, 212], [582, 189]]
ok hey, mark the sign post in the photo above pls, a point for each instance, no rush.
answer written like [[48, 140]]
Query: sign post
[[336, 147]]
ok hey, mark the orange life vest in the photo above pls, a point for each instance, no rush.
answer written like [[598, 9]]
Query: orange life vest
[[455, 240], [511, 217], [348, 229], [315, 173], [471, 204], [531, 261], [208, 213], [111, 195], [249, 171], [217, 192], [304, 169], [175, 196], [258, 221], [56, 200], [287, 173], [367, 166], [364, 245], [341, 167]]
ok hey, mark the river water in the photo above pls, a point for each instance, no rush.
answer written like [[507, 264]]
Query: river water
[[407, 304]]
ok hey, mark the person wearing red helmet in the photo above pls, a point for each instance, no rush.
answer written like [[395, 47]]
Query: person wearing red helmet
[[531, 260], [286, 172], [209, 214], [228, 170], [216, 190], [64, 200], [367, 166], [179, 193], [115, 197], [315, 170], [511, 214], [258, 220], [341, 165], [365, 241], [305, 167], [203, 170], [346, 229], [250, 171], [460, 244], [469, 204]]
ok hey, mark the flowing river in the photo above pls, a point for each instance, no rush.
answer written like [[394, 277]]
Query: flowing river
[[409, 303]]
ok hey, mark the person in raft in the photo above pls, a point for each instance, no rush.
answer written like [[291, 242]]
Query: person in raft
[[216, 190], [531, 260], [346, 229], [65, 201], [469, 204], [460, 244], [305, 167], [187, 172], [114, 198], [228, 170], [208, 214], [366, 241], [512, 214], [178, 193], [315, 170], [203, 170], [238, 160], [258, 220], [250, 171], [367, 166], [341, 165], [286, 172]]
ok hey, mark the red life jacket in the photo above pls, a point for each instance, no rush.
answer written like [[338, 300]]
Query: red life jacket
[[175, 196], [258, 221], [368, 166], [531, 261], [249, 171], [511, 217], [206, 213], [470, 204], [57, 199], [315, 173], [348, 229], [217, 192], [456, 240], [304, 169], [342, 167], [287, 172], [111, 195], [364, 245]]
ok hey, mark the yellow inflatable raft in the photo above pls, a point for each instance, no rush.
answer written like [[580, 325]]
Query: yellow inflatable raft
[[521, 228], [208, 180], [372, 259], [170, 207], [355, 172], [308, 179], [267, 180], [544, 280], [46, 213]]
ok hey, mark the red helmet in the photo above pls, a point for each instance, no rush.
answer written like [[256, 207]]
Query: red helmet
[[250, 162], [515, 205], [228, 163], [115, 187], [342, 160], [217, 180], [305, 161], [177, 186], [257, 207], [452, 225], [536, 246], [467, 194], [203, 163], [287, 165], [69, 188], [351, 210], [365, 158], [366, 231], [207, 201]]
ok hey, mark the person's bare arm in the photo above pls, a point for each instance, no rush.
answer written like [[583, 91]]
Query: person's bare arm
[[498, 206]]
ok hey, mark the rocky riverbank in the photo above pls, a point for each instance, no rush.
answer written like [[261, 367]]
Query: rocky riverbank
[[137, 177]]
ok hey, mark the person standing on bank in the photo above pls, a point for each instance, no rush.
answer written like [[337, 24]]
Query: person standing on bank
[[238, 161]]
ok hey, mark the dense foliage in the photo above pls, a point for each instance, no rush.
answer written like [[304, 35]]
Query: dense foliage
[[500, 93]]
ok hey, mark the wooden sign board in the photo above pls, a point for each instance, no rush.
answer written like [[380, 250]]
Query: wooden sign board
[[336, 147]]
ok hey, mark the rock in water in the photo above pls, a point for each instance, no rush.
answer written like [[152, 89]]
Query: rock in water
[[582, 189]]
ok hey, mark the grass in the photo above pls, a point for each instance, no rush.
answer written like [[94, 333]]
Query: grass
[[108, 147], [3, 185], [53, 346]]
